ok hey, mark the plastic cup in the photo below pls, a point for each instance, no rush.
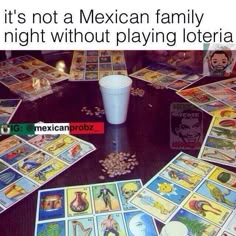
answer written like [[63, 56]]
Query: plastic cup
[[115, 90]]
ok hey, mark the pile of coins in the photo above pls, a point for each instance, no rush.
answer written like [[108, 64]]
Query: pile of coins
[[137, 92], [156, 85], [118, 163], [96, 111]]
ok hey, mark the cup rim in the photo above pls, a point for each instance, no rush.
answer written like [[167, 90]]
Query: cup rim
[[108, 77]]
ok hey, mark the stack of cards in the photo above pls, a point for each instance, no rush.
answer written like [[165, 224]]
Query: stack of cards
[[193, 196], [93, 65], [29, 162], [166, 76], [92, 210], [8, 108], [220, 142], [29, 77], [217, 99]]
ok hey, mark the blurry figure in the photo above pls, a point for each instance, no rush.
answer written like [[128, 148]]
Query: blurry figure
[[105, 193], [186, 126], [137, 226], [110, 226], [183, 60]]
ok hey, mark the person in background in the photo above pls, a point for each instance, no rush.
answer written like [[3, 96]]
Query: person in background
[[187, 60]]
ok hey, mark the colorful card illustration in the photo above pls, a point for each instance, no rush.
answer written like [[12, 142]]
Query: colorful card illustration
[[29, 77], [76, 209], [181, 176], [18, 153], [25, 166], [61, 144], [187, 223], [219, 143], [8, 107], [154, 204], [9, 143], [82, 226], [7, 177], [106, 198], [203, 209], [217, 99], [93, 65], [209, 210], [48, 171], [16, 191], [76, 195], [110, 223], [53, 228], [218, 193], [51, 205], [166, 76], [32, 162]]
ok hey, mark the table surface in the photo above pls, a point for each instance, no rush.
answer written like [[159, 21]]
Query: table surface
[[146, 133]]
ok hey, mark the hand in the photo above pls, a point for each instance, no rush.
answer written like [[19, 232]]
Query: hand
[[158, 56], [192, 60]]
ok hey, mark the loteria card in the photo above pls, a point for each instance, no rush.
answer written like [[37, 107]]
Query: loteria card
[[217, 99], [82, 226], [9, 143], [203, 208], [25, 166], [29, 77], [15, 154], [16, 191], [58, 146], [48, 171], [8, 107], [219, 193], [73, 209], [186, 223], [93, 65], [93, 210], [219, 143], [106, 198], [166, 76], [32, 162], [207, 209], [52, 228], [42, 140], [154, 204], [104, 222], [181, 176]]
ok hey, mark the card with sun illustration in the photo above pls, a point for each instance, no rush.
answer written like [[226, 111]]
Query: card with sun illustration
[[191, 195], [168, 189]]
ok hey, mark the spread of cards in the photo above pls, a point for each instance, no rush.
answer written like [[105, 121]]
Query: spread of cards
[[198, 197], [167, 76], [92, 210], [217, 99], [93, 65], [28, 162], [29, 77]]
